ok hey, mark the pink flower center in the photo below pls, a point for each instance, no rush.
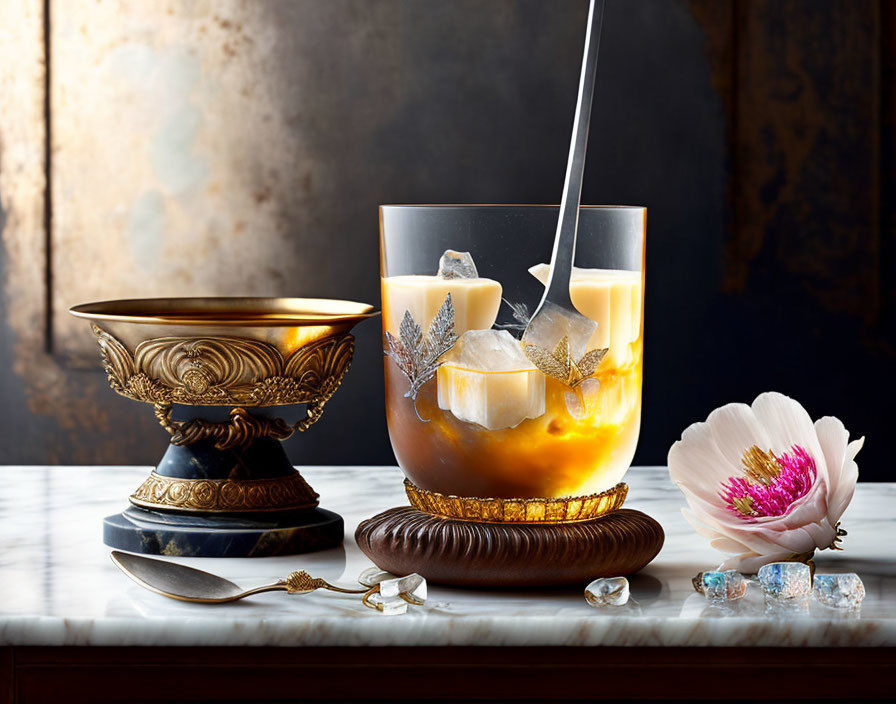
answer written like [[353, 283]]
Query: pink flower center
[[770, 484]]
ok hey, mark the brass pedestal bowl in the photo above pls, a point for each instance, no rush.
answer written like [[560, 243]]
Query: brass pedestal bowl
[[226, 377]]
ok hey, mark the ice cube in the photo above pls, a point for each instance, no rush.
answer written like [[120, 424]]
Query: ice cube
[[488, 351], [841, 591], [394, 606], [552, 323], [412, 586], [785, 580], [476, 301], [457, 265], [374, 575], [607, 591], [486, 379], [583, 400], [610, 297], [721, 586]]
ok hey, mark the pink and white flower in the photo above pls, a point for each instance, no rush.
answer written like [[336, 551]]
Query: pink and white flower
[[763, 482]]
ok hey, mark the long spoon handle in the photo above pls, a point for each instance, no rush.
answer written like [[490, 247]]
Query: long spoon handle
[[557, 287], [302, 583]]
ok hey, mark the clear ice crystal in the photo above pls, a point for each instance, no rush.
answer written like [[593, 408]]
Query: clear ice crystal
[[488, 351], [723, 586], [374, 575], [495, 401], [389, 606], [798, 607], [785, 580], [607, 591], [841, 591], [457, 265], [412, 586], [392, 607], [552, 323]]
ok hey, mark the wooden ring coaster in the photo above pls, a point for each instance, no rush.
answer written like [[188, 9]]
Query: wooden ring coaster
[[471, 554]]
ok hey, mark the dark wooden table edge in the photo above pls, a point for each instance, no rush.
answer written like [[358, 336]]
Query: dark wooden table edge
[[446, 674]]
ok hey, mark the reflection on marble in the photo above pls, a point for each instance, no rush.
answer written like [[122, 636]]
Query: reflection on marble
[[59, 587]]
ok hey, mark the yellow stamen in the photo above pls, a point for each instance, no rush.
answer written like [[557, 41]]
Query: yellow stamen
[[744, 504], [761, 467]]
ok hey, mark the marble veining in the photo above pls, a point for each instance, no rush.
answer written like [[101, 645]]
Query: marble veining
[[59, 587]]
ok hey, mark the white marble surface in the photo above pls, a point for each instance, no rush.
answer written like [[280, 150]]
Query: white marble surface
[[58, 586]]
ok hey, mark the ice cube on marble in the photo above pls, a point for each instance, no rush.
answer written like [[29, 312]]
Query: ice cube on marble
[[457, 265], [487, 379], [552, 323], [796, 607], [840, 591], [392, 607], [785, 580], [608, 591], [374, 575], [723, 586], [412, 586]]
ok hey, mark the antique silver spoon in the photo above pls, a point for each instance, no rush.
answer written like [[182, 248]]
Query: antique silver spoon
[[187, 584], [556, 317]]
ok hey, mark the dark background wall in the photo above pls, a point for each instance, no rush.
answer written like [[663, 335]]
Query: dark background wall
[[759, 134]]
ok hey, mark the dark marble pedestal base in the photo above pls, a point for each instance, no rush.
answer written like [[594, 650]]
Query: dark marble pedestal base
[[169, 533], [464, 553]]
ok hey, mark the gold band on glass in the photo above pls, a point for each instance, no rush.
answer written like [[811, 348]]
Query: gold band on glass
[[482, 510]]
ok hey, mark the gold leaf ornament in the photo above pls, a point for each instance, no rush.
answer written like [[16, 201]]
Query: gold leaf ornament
[[559, 363], [418, 357]]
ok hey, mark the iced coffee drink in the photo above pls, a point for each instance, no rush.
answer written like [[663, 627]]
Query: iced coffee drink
[[469, 411]]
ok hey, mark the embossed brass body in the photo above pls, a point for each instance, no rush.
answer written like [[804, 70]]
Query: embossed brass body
[[224, 371]]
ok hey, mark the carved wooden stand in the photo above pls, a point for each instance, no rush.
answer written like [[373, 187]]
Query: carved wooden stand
[[475, 554]]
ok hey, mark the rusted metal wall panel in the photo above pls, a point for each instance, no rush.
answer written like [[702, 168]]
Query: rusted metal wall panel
[[177, 167], [807, 152], [242, 147]]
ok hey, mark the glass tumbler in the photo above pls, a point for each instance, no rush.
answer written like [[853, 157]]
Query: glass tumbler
[[469, 413]]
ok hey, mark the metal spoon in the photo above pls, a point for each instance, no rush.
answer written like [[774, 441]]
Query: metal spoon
[[187, 584], [555, 314]]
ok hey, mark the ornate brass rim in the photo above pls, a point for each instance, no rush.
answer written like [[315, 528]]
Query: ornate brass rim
[[225, 495], [228, 310], [574, 509]]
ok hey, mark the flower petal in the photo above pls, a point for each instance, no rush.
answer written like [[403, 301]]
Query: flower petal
[[822, 534], [734, 429], [843, 473], [846, 488], [695, 462], [853, 448], [722, 523], [810, 508], [796, 540], [832, 437], [732, 547], [788, 424]]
